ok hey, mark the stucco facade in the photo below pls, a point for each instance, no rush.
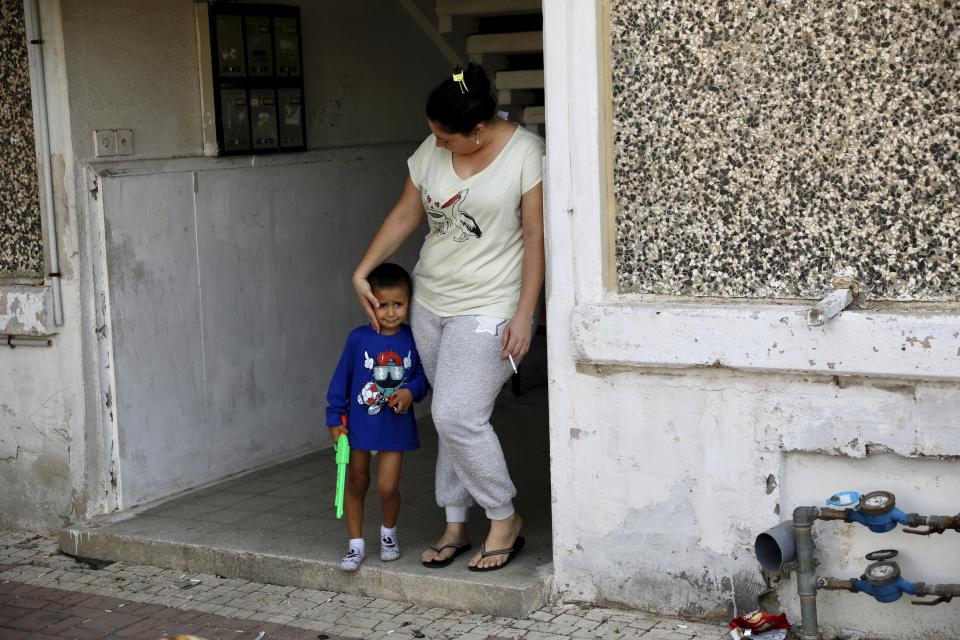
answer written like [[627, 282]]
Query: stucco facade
[[686, 419]]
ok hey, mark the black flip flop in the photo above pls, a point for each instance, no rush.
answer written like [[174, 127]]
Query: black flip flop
[[513, 551], [460, 548]]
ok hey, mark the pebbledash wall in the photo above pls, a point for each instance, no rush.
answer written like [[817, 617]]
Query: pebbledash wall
[[709, 167], [21, 252], [760, 146]]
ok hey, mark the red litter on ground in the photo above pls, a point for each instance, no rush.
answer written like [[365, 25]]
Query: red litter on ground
[[759, 625]]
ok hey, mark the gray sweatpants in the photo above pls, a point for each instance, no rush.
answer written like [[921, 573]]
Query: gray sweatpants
[[461, 357]]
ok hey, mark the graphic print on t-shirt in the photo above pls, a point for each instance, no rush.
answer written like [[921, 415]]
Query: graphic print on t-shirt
[[450, 215], [389, 372]]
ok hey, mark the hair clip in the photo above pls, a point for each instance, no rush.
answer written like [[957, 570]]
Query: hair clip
[[458, 78]]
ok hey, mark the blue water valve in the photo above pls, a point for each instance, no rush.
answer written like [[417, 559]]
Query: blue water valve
[[883, 581], [878, 511]]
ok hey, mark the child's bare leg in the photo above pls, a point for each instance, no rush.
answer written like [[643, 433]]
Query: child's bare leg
[[358, 481], [388, 485]]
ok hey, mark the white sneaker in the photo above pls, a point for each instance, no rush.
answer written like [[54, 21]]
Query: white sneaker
[[351, 561], [389, 548]]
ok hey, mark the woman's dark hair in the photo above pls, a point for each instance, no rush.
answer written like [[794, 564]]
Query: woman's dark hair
[[389, 275], [458, 111]]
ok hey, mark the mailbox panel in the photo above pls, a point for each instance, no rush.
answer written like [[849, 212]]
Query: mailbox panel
[[235, 120], [287, 40], [259, 46], [263, 118], [257, 77], [290, 117]]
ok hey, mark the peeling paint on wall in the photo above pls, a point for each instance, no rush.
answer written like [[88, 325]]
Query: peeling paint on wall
[[25, 311]]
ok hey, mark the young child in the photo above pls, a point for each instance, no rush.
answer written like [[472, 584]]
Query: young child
[[376, 382]]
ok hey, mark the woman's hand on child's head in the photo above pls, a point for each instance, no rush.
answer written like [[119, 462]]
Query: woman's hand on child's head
[[337, 431], [368, 301], [401, 400]]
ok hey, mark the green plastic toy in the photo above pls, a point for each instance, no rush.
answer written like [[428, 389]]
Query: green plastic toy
[[343, 459]]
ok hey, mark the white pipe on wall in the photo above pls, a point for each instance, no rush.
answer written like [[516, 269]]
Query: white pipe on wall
[[31, 15]]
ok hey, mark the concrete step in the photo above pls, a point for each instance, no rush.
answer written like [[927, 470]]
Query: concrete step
[[272, 558], [276, 525], [524, 79], [517, 42], [534, 115], [447, 10]]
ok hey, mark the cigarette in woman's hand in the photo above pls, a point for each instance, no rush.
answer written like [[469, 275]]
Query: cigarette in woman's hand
[[512, 363]]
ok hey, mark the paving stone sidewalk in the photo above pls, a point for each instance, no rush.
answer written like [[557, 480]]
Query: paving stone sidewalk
[[45, 594]]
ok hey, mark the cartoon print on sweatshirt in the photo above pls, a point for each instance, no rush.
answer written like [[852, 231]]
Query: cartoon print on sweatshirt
[[450, 215], [389, 372]]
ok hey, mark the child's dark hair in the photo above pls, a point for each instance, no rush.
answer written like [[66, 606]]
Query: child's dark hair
[[459, 110], [389, 275]]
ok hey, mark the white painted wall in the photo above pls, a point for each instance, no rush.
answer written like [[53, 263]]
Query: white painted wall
[[41, 430], [683, 428]]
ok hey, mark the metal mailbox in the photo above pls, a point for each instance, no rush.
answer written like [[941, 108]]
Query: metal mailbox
[[258, 78]]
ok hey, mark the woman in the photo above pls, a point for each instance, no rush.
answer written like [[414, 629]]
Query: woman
[[478, 179]]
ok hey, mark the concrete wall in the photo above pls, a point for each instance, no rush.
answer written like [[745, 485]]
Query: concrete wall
[[684, 428], [368, 68]]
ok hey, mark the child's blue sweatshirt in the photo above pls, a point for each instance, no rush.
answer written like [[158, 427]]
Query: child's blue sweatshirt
[[371, 368]]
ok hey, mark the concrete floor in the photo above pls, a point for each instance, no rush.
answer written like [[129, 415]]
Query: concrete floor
[[277, 525]]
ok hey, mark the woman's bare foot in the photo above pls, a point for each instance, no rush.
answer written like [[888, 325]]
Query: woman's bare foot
[[503, 534], [455, 534]]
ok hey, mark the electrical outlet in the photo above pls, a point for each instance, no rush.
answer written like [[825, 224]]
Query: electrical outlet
[[105, 142], [124, 142]]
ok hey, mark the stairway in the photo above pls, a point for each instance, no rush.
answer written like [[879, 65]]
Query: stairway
[[506, 37]]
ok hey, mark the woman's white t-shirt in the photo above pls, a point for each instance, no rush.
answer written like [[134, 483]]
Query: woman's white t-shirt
[[470, 262]]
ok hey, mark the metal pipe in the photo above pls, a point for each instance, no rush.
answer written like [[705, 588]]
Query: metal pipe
[[12, 342], [934, 522], [947, 590], [39, 89], [831, 514], [835, 584], [803, 518]]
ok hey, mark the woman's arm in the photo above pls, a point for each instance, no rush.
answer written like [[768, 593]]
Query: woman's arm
[[519, 332], [399, 223]]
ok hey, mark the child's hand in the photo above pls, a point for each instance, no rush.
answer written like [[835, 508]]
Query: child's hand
[[336, 431], [401, 400]]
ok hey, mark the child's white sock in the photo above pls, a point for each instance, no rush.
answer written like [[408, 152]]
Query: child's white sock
[[355, 554], [389, 545]]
